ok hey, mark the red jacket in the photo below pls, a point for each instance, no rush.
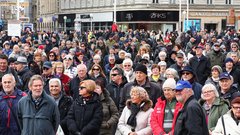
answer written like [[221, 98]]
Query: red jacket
[[157, 117]]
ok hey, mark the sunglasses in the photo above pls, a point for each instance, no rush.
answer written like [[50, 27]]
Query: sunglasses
[[96, 69], [67, 59], [114, 74], [127, 65], [81, 87], [51, 55], [45, 68], [186, 73]]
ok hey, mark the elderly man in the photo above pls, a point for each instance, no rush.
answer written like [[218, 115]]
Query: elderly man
[[23, 71], [63, 101], [74, 83], [154, 90], [37, 113], [228, 124], [191, 119], [9, 98], [47, 75]]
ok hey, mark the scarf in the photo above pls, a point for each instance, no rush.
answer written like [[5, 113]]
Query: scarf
[[132, 121]]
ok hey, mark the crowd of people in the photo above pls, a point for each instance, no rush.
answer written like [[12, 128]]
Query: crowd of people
[[120, 83]]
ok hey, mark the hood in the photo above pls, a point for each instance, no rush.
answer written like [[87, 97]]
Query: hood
[[146, 104]]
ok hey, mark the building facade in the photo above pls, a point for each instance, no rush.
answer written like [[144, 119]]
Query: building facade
[[84, 15]]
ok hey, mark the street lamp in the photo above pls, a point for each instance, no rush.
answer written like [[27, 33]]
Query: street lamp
[[91, 18], [184, 18], [65, 23]]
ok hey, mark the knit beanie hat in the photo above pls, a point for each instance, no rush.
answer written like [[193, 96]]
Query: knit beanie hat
[[169, 83], [141, 68], [218, 68]]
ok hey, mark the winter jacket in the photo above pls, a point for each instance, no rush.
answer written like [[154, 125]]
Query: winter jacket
[[191, 119], [41, 120], [143, 120], [231, 127], [110, 114], [25, 74], [8, 119], [197, 89], [153, 90], [157, 117], [235, 73], [219, 108], [74, 86], [216, 58], [85, 116], [228, 95]]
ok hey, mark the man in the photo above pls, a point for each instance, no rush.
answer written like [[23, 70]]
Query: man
[[26, 53], [226, 87], [200, 65], [47, 75], [63, 101], [9, 98], [70, 70], [23, 71], [4, 69], [179, 62], [118, 80], [191, 119], [154, 90], [233, 71], [216, 56], [235, 58], [74, 83], [37, 113], [228, 124]]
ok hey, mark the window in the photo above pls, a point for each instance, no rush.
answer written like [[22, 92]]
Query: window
[[228, 2], [209, 2], [155, 1], [191, 1], [172, 1]]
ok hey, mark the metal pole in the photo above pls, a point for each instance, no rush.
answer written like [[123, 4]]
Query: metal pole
[[115, 11], [18, 10], [187, 12], [180, 16]]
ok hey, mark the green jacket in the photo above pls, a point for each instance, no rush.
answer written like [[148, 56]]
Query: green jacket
[[219, 108]]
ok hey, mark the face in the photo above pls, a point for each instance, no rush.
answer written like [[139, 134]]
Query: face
[[179, 60], [163, 69], [169, 74], [234, 48], [155, 71], [96, 60], [36, 88], [208, 94], [47, 71], [234, 57], [54, 88], [96, 70], [187, 76], [140, 76], [225, 84], [67, 62], [181, 95], [127, 66], [111, 60], [82, 72], [229, 65], [199, 51], [26, 50], [135, 98], [98, 89], [83, 90], [38, 59], [115, 76], [169, 93], [3, 65], [8, 84], [51, 56], [59, 69], [215, 73], [236, 110], [19, 66]]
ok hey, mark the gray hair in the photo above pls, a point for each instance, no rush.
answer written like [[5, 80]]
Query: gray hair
[[34, 78], [210, 86], [128, 61], [55, 80], [173, 72]]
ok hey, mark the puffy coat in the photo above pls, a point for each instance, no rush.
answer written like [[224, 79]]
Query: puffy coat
[[38, 121], [85, 116], [157, 117], [143, 120]]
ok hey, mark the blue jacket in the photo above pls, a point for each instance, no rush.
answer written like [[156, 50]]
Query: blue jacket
[[42, 120], [8, 123]]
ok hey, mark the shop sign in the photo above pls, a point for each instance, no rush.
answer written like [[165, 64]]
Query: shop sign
[[204, 14]]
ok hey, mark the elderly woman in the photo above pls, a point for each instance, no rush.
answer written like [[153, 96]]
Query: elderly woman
[[135, 118], [58, 72], [214, 106], [165, 112], [172, 73], [85, 114], [128, 69], [156, 76], [214, 79]]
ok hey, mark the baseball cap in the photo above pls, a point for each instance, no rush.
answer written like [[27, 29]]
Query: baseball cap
[[47, 64], [22, 60], [224, 75], [179, 55], [182, 84], [235, 98]]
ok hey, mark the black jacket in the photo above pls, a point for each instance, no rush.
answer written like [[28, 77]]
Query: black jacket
[[191, 119], [85, 116], [25, 74]]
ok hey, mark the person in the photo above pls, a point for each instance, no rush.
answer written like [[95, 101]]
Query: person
[[37, 113], [191, 119], [216, 56], [171, 73], [47, 74], [24, 72], [118, 80], [213, 106], [9, 98], [96, 72], [135, 118], [128, 69], [155, 75], [154, 90], [63, 101], [165, 112], [85, 115], [110, 111], [214, 79], [179, 62], [70, 69], [228, 124]]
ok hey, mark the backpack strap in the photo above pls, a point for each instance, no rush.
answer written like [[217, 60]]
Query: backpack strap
[[224, 130]]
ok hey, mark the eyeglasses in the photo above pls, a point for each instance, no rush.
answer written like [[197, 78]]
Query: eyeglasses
[[236, 108], [81, 87], [127, 65], [67, 58], [59, 67], [234, 47], [96, 69], [114, 74], [207, 92], [186, 73]]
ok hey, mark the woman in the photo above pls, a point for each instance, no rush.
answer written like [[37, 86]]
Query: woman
[[96, 72], [52, 56], [128, 69], [214, 79], [172, 73], [155, 76], [135, 118], [85, 115], [110, 111], [58, 72], [213, 105], [165, 112]]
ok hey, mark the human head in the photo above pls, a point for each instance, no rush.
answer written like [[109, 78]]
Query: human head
[[111, 59], [216, 71], [3, 63], [183, 91], [127, 64], [235, 104], [8, 83], [58, 68], [100, 86], [225, 81], [169, 88], [47, 68], [35, 85], [55, 87], [116, 75], [96, 69], [171, 73], [187, 73], [21, 63], [179, 59], [82, 71], [229, 63], [86, 88], [96, 59], [138, 94], [234, 56], [155, 69], [141, 73], [209, 92], [68, 61]]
